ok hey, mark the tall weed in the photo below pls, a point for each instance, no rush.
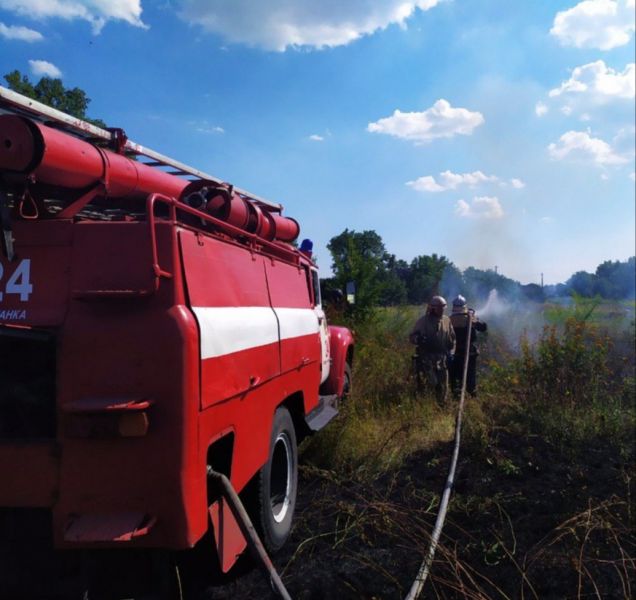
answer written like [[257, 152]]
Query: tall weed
[[571, 385]]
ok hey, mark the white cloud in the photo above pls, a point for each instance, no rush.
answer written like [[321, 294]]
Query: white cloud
[[42, 68], [24, 34], [280, 24], [451, 181], [96, 12], [211, 129], [439, 121], [602, 24], [632, 176], [316, 138], [599, 82], [426, 184], [566, 110], [580, 145], [546, 220], [205, 127], [540, 109], [482, 207]]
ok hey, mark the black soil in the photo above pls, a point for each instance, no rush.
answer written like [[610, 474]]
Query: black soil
[[527, 520]]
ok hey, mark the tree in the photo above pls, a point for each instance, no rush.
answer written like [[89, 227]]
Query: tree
[[21, 84], [392, 281], [616, 279], [49, 91], [361, 258], [533, 292], [425, 276], [583, 284], [612, 279]]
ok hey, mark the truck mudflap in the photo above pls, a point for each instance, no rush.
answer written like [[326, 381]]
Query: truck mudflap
[[228, 538]]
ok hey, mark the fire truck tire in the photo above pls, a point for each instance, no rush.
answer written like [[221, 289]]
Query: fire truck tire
[[278, 484], [346, 388]]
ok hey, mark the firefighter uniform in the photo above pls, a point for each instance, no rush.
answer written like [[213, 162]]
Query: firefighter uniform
[[459, 320], [435, 339]]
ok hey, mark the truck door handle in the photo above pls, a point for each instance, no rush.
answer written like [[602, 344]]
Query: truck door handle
[[254, 380]]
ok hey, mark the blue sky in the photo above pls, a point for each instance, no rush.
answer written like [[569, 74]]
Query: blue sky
[[489, 131]]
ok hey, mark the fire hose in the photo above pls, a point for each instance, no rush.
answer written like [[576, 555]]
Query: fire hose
[[422, 574], [249, 532]]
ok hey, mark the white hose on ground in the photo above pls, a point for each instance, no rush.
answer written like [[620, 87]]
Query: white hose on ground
[[422, 574]]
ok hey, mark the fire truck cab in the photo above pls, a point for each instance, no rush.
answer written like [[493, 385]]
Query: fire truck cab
[[155, 327]]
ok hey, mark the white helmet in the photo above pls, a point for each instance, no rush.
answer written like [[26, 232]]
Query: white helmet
[[459, 301]]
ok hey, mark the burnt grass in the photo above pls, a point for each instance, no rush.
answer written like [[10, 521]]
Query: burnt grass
[[527, 519]]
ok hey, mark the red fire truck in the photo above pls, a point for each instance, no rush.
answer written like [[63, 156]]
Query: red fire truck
[[156, 325]]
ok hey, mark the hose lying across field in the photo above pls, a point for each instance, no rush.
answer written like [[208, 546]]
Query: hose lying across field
[[418, 584]]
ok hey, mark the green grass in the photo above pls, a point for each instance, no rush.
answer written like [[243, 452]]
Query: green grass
[[568, 375]]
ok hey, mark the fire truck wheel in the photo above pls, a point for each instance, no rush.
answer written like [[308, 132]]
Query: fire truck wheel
[[278, 483], [346, 388]]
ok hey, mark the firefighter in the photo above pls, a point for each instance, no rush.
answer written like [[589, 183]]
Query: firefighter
[[435, 340], [459, 320]]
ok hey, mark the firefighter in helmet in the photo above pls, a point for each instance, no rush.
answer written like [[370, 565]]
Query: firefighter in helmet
[[459, 320], [435, 340]]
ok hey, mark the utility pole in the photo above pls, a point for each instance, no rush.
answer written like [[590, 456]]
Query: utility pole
[[541, 280], [496, 269]]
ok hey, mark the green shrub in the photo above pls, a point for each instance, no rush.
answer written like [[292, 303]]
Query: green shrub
[[570, 386]]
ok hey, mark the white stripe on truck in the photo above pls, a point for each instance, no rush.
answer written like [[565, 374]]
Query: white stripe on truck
[[228, 329]]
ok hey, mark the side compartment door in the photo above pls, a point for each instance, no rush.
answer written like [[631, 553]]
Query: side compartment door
[[227, 291], [299, 328]]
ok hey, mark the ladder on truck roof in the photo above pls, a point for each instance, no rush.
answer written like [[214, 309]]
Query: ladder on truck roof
[[17, 103]]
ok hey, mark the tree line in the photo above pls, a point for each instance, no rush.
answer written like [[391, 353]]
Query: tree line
[[612, 279], [382, 279]]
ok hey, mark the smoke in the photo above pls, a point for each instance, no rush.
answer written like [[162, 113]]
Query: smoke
[[509, 321], [494, 306]]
